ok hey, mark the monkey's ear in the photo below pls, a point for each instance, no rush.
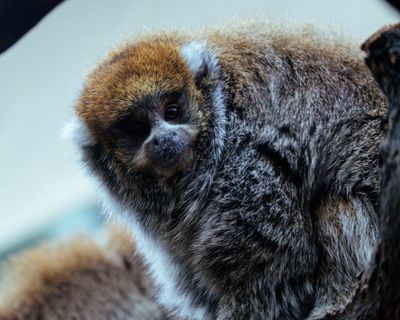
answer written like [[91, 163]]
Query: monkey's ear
[[201, 61]]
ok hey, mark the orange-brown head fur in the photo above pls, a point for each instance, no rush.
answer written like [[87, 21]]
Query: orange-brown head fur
[[139, 70], [137, 83], [124, 114]]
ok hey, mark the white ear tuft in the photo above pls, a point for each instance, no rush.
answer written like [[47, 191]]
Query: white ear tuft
[[77, 132], [200, 60]]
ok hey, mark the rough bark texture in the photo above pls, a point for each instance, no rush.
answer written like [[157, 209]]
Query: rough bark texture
[[377, 295], [17, 17]]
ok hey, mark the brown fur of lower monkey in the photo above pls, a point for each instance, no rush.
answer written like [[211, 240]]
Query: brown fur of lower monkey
[[78, 279]]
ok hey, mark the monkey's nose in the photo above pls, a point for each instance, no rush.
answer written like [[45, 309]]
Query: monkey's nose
[[167, 150]]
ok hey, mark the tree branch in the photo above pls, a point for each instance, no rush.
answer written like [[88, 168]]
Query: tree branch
[[395, 3], [17, 17], [377, 294]]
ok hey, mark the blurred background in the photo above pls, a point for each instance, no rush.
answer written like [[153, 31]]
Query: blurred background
[[44, 193]]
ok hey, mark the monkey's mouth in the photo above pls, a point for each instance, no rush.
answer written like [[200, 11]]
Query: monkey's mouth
[[167, 159]]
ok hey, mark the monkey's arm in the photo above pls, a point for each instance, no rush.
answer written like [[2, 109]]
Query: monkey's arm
[[79, 279]]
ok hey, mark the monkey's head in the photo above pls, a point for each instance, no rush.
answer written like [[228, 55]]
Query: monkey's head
[[145, 120]]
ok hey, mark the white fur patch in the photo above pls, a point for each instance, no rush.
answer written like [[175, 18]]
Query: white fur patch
[[161, 268], [199, 58], [163, 271], [220, 118], [76, 131], [359, 232]]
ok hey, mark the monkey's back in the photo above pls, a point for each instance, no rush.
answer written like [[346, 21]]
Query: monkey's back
[[298, 187]]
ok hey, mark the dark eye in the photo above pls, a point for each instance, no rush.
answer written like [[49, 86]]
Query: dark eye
[[139, 129], [172, 112]]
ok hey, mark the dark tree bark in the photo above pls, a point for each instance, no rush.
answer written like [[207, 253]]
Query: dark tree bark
[[377, 294], [395, 3], [17, 17]]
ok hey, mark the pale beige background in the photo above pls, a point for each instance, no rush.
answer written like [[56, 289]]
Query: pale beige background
[[41, 76]]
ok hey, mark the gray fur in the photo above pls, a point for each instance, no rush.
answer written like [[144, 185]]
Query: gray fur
[[275, 215]]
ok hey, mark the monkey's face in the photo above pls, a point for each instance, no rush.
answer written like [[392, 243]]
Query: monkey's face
[[147, 113], [156, 134]]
